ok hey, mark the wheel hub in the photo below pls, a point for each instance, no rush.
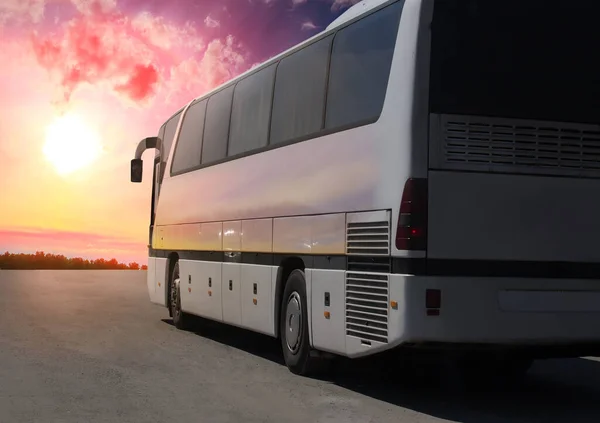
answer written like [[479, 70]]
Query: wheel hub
[[293, 322]]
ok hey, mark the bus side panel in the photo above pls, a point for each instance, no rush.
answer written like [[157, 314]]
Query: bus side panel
[[231, 296], [256, 298], [328, 310], [488, 216], [151, 276], [324, 175], [201, 288], [160, 282]]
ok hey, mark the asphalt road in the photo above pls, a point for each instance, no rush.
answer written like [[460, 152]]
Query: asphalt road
[[87, 346]]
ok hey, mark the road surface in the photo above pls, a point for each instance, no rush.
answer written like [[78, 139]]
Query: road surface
[[87, 346]]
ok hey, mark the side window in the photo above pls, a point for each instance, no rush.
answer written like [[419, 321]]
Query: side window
[[189, 144], [158, 177], [169, 134], [251, 112], [161, 135], [156, 181], [360, 67], [299, 100], [216, 129]]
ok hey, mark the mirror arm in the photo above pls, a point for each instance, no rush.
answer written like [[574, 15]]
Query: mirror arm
[[136, 163], [145, 144]]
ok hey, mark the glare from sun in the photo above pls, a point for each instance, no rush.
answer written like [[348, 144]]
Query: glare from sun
[[71, 144]]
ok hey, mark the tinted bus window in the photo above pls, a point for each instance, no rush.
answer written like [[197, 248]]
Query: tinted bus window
[[169, 134], [520, 59], [251, 111], [299, 100], [360, 67], [189, 144], [216, 130]]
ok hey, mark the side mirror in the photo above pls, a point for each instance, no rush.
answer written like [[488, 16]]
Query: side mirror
[[137, 167]]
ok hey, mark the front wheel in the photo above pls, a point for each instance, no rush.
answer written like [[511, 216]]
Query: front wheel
[[180, 319], [293, 326]]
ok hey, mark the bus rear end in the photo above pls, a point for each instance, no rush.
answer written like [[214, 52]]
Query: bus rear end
[[512, 217]]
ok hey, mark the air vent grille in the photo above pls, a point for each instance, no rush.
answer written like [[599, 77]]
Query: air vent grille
[[368, 238], [519, 146], [367, 306], [369, 264]]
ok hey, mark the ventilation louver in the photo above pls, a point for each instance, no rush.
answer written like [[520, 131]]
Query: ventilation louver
[[367, 306], [515, 146], [368, 238]]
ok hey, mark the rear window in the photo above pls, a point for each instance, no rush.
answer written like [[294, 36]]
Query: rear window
[[523, 59]]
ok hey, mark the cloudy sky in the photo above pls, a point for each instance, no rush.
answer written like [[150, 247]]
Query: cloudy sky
[[82, 81]]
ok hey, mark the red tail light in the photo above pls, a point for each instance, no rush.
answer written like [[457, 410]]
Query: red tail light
[[412, 222]]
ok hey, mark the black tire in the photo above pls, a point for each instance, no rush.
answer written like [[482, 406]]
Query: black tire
[[180, 319], [295, 344]]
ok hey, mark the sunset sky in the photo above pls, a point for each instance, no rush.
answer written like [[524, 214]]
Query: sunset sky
[[82, 81]]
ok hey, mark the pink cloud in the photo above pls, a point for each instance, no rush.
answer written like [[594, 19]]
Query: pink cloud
[[101, 47], [21, 10], [165, 35], [341, 4], [308, 26], [211, 22], [135, 58], [140, 83], [222, 61], [89, 6]]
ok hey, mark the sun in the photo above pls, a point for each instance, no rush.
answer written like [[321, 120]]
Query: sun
[[71, 144]]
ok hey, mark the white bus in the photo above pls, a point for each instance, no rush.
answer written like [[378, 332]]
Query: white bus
[[421, 174]]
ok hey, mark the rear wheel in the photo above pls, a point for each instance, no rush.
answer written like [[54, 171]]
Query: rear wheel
[[293, 326], [180, 319]]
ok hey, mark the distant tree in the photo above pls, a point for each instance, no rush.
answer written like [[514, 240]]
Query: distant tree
[[40, 260], [134, 266]]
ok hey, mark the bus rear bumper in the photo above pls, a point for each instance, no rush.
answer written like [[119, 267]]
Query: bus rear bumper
[[478, 312]]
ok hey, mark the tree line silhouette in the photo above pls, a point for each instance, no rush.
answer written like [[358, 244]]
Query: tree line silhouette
[[47, 261]]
